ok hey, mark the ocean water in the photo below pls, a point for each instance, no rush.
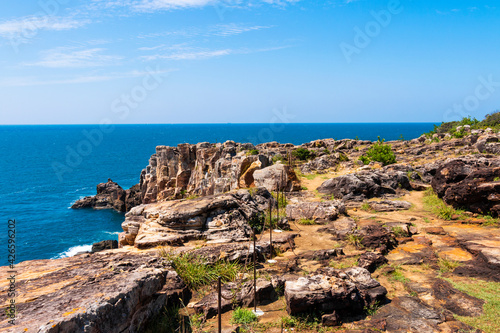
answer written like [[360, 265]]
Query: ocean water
[[46, 168]]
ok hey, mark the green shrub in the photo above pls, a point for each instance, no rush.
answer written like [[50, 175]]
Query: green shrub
[[326, 151], [379, 152], [243, 316], [302, 154], [252, 152]]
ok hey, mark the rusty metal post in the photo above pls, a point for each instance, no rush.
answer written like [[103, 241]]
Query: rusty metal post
[[254, 273], [219, 303]]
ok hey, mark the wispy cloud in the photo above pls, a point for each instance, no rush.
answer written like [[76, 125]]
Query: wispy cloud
[[186, 53], [193, 55], [220, 30], [161, 5], [26, 26], [33, 81], [66, 57]]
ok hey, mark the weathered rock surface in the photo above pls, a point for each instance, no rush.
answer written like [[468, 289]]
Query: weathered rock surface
[[371, 261], [389, 205], [104, 245], [236, 295], [100, 292], [321, 163], [365, 184], [467, 186], [409, 314], [343, 291], [110, 195], [277, 177], [340, 228], [318, 211], [214, 217]]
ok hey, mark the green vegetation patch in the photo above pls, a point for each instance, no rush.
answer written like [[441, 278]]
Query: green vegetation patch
[[379, 152], [243, 316], [302, 154], [490, 293], [197, 272]]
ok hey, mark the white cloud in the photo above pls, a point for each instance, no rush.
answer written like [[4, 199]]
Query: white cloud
[[33, 81], [193, 55], [159, 5], [186, 53], [221, 30], [66, 57], [27, 27]]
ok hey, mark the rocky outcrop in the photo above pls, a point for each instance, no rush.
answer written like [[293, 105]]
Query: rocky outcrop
[[365, 184], [104, 245], [100, 292], [317, 211], [222, 217], [469, 185], [110, 195], [277, 177], [344, 292], [197, 170]]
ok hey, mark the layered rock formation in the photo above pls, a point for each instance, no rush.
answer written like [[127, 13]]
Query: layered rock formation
[[198, 170], [100, 292], [214, 217]]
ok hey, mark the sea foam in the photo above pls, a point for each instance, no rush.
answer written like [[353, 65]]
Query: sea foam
[[73, 251]]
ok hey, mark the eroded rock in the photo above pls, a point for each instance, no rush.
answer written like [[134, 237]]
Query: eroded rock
[[100, 292], [343, 291]]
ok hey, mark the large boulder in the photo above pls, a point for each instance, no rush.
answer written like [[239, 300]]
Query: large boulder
[[277, 177], [345, 292], [365, 184], [222, 217], [464, 185]]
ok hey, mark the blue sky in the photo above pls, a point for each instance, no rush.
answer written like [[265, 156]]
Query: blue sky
[[208, 61]]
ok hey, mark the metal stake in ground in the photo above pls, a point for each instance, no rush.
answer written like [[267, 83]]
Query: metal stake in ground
[[270, 230], [254, 273], [219, 303]]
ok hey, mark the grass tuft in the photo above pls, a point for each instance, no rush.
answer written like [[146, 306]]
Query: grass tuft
[[243, 316], [306, 222], [447, 265], [196, 272]]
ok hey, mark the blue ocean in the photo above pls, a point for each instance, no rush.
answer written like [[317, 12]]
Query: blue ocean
[[46, 168]]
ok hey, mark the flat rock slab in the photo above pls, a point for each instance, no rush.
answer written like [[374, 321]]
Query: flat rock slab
[[479, 240], [101, 292]]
